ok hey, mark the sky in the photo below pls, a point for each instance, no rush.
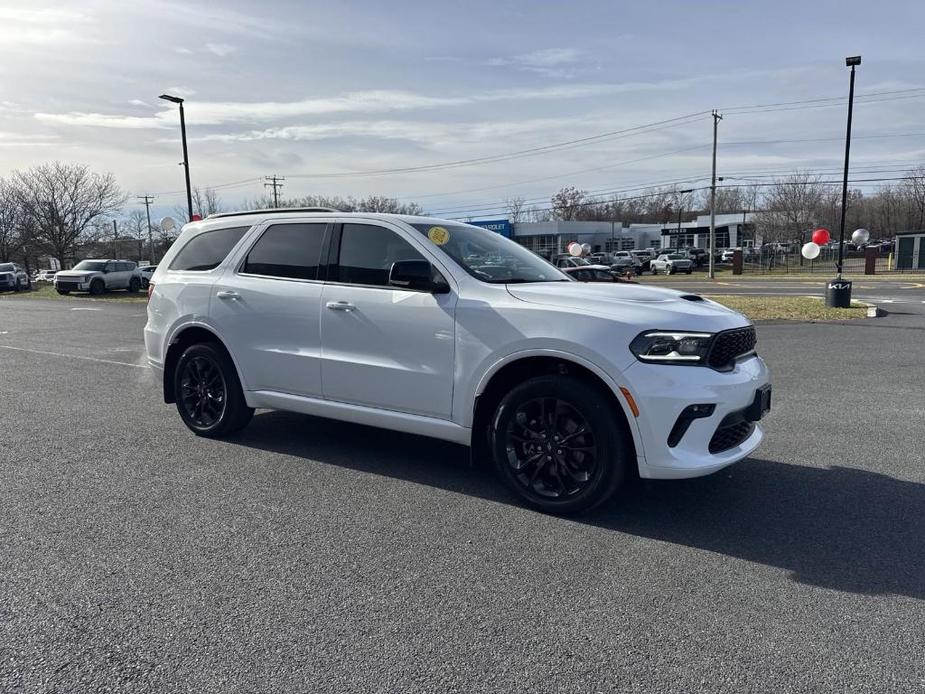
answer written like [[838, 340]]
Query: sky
[[326, 93]]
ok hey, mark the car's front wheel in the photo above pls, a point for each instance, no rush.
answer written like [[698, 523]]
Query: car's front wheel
[[209, 396], [64, 292], [557, 445], [97, 287], [134, 285]]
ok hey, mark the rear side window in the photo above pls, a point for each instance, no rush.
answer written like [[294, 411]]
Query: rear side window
[[207, 250], [367, 253], [287, 250]]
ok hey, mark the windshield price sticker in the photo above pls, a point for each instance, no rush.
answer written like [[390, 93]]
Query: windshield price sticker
[[439, 235]]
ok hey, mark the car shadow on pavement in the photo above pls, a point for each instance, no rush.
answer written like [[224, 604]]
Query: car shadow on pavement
[[838, 528]]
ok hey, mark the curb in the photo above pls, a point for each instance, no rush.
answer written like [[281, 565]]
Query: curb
[[873, 311]]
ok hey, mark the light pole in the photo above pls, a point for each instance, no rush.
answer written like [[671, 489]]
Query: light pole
[[189, 191], [680, 208], [838, 291]]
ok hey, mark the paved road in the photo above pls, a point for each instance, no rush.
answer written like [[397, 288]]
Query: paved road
[[910, 294], [307, 555]]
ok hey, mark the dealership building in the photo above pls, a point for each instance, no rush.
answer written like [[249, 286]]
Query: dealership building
[[552, 238]]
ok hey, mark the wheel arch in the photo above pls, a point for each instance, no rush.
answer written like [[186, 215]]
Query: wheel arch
[[517, 368], [182, 338]]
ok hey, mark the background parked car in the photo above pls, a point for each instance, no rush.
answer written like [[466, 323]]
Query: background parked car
[[645, 258], [14, 278], [98, 276], [146, 272], [594, 273], [698, 256], [670, 263]]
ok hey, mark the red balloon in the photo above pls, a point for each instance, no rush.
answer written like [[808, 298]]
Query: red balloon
[[821, 236]]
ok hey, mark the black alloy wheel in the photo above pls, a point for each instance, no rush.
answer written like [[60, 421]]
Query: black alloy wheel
[[551, 448], [208, 392], [202, 391], [97, 287], [559, 444], [134, 285]]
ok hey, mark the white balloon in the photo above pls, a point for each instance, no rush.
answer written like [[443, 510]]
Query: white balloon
[[860, 236], [810, 250], [574, 249], [167, 224]]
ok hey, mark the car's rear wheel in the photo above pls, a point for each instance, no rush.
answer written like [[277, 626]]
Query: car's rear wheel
[[208, 392], [97, 287], [557, 444], [134, 285]]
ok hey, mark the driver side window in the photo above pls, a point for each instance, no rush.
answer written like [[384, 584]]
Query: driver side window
[[367, 253]]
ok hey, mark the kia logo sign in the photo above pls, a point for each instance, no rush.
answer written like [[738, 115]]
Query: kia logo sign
[[838, 286]]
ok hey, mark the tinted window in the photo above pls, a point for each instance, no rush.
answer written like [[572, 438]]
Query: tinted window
[[207, 250], [6, 267], [367, 253], [287, 250]]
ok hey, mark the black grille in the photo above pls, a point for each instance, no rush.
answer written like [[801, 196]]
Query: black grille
[[731, 344], [67, 286], [730, 436]]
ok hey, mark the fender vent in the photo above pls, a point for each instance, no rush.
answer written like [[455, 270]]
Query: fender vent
[[691, 297]]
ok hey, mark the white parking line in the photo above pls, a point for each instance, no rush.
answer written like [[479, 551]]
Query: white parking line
[[74, 356], [86, 309]]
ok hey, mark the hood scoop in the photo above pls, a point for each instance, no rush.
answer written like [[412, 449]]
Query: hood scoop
[[691, 297]]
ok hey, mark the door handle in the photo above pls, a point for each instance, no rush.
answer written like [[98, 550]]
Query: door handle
[[228, 295], [340, 306]]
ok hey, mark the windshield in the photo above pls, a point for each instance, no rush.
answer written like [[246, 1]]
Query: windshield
[[488, 256], [91, 265], [6, 267]]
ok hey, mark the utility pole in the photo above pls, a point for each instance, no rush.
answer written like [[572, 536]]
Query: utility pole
[[115, 239], [716, 119], [147, 200], [275, 184]]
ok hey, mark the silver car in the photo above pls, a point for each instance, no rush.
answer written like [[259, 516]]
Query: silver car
[[98, 276], [14, 278]]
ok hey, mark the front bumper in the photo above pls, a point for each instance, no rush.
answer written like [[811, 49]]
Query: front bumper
[[72, 286], [663, 391]]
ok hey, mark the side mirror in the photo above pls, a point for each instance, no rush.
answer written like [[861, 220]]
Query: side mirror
[[417, 274]]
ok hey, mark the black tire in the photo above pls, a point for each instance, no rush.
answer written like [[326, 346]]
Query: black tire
[[134, 285], [208, 392], [543, 413], [668, 270], [64, 292], [97, 287], [688, 272]]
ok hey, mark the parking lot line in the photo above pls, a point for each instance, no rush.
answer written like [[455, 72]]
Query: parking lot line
[[74, 356]]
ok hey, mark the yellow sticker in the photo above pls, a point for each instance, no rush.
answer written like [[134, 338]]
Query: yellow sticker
[[439, 235]]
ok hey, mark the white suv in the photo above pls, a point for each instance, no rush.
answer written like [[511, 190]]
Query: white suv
[[452, 331]]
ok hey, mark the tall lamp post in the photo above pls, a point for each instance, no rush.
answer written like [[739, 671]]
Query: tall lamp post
[[838, 291], [680, 209], [189, 191]]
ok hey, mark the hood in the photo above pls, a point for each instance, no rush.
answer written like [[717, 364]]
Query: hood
[[73, 274], [646, 306]]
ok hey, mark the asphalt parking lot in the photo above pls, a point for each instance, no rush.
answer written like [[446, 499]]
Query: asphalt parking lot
[[309, 555]]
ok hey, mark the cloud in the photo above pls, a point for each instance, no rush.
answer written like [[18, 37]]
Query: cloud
[[220, 49], [180, 91], [138, 102], [183, 51], [372, 101], [218, 20], [43, 26], [547, 61], [427, 133]]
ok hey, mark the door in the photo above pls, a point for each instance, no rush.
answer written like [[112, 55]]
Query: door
[[904, 253], [267, 309], [383, 346]]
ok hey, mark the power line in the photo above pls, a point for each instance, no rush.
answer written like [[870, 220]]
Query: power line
[[276, 186]]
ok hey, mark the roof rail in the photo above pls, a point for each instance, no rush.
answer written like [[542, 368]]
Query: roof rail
[[273, 210]]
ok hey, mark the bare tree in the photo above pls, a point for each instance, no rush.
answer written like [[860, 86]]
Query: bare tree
[[62, 201], [567, 203], [792, 206], [914, 189], [205, 202], [12, 236], [516, 209]]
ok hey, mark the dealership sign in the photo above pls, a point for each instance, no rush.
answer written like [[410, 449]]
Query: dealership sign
[[500, 226]]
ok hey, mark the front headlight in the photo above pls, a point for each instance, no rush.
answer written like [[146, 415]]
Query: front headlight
[[672, 347]]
